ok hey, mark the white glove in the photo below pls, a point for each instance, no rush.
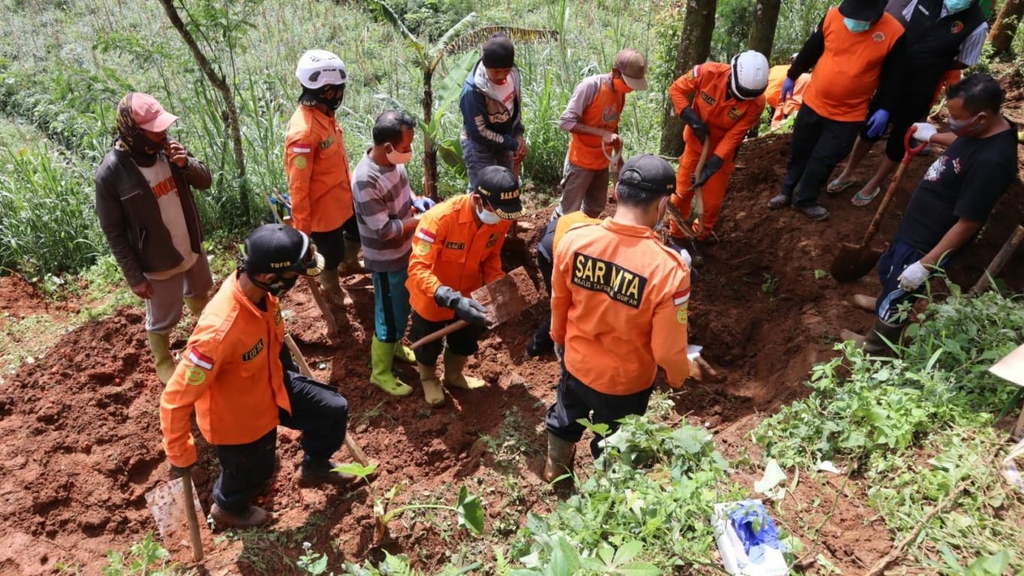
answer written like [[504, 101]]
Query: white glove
[[924, 132], [686, 257], [913, 276]]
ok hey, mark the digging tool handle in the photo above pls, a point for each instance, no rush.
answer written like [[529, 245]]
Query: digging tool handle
[[190, 513], [435, 336], [300, 361], [999, 261], [909, 153], [698, 191]]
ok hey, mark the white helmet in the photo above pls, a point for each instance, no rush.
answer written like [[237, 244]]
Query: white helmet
[[318, 68], [749, 74]]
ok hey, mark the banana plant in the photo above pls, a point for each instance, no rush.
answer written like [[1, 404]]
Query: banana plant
[[459, 39]]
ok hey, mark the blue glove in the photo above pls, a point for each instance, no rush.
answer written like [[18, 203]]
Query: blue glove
[[423, 204], [877, 123], [788, 86]]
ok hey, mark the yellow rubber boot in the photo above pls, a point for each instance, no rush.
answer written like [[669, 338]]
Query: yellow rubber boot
[[432, 391], [381, 356], [404, 353], [453, 376], [160, 344], [197, 304]]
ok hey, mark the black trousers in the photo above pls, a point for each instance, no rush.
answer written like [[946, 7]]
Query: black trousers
[[576, 400], [331, 245], [318, 410], [463, 342], [818, 145], [543, 334], [913, 106]]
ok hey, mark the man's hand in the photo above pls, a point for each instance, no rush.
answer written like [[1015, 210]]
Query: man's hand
[[686, 257], [611, 138], [176, 153], [923, 132], [692, 119], [877, 122], [422, 204], [913, 276], [520, 154], [787, 90], [465, 309], [144, 290], [711, 165]]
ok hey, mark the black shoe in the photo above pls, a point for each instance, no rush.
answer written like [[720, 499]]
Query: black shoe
[[320, 473], [779, 201], [815, 212]]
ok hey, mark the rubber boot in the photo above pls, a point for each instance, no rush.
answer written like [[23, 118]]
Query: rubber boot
[[197, 304], [252, 517], [351, 264], [432, 390], [404, 354], [454, 364], [875, 341], [381, 356], [560, 457], [160, 344], [332, 288]]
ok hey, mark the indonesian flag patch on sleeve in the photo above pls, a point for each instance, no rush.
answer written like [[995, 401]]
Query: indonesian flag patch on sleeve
[[426, 235], [302, 148], [200, 359], [681, 297]]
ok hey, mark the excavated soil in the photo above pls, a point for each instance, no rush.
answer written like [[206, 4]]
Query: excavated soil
[[81, 433]]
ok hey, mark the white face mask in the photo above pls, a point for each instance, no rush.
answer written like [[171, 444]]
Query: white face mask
[[486, 216], [396, 157]]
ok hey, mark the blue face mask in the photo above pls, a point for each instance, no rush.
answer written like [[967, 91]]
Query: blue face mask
[[954, 6], [856, 26]]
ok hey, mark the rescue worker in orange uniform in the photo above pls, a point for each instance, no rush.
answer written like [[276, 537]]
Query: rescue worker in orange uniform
[[455, 250], [242, 383], [855, 50], [592, 118], [618, 311], [719, 102], [317, 168], [772, 95]]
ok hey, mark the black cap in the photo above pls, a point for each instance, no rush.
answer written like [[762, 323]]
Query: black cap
[[863, 10], [280, 248], [499, 52], [500, 188], [648, 172]]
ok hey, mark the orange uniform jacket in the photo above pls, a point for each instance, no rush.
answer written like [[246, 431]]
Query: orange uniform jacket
[[449, 249], [728, 120], [317, 168], [231, 373], [792, 104], [850, 68], [619, 305], [604, 111], [776, 76]]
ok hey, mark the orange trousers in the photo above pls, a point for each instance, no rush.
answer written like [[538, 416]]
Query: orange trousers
[[713, 190]]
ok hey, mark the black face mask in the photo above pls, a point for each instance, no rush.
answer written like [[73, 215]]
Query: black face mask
[[312, 97], [276, 287]]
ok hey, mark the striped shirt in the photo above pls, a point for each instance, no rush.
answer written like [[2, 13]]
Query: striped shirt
[[382, 200], [970, 48]]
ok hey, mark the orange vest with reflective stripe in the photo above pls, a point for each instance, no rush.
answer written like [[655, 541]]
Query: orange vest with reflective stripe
[[585, 150], [848, 72]]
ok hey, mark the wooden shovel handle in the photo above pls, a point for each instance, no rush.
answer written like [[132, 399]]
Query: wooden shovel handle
[[698, 191], [999, 261], [909, 152], [433, 337], [190, 514]]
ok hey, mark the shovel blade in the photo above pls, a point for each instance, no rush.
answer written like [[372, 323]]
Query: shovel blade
[[167, 504], [853, 262]]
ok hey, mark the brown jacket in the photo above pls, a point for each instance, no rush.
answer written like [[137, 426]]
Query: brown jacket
[[130, 216]]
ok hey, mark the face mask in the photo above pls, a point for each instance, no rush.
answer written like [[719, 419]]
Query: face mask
[[856, 26], [620, 86], [396, 157], [965, 127], [276, 287], [486, 216], [954, 6]]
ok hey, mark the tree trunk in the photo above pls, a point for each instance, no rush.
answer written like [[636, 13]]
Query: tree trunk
[[1005, 28], [221, 84], [429, 148], [694, 48], [762, 33]]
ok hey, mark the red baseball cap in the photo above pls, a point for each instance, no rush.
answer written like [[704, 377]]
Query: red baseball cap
[[149, 114]]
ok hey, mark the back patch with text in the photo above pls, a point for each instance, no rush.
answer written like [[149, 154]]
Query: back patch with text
[[618, 283]]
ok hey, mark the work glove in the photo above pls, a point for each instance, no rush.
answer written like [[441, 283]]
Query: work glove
[[788, 86], [923, 132], [423, 204], [700, 129], [686, 257], [913, 276], [711, 165], [465, 309], [877, 123]]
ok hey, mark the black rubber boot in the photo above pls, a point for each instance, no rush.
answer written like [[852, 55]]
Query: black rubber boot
[[875, 340]]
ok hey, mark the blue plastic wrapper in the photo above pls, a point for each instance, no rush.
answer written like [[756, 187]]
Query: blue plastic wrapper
[[755, 529]]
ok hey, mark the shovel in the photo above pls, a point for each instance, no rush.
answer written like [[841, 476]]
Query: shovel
[[167, 502], [854, 261], [504, 299]]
